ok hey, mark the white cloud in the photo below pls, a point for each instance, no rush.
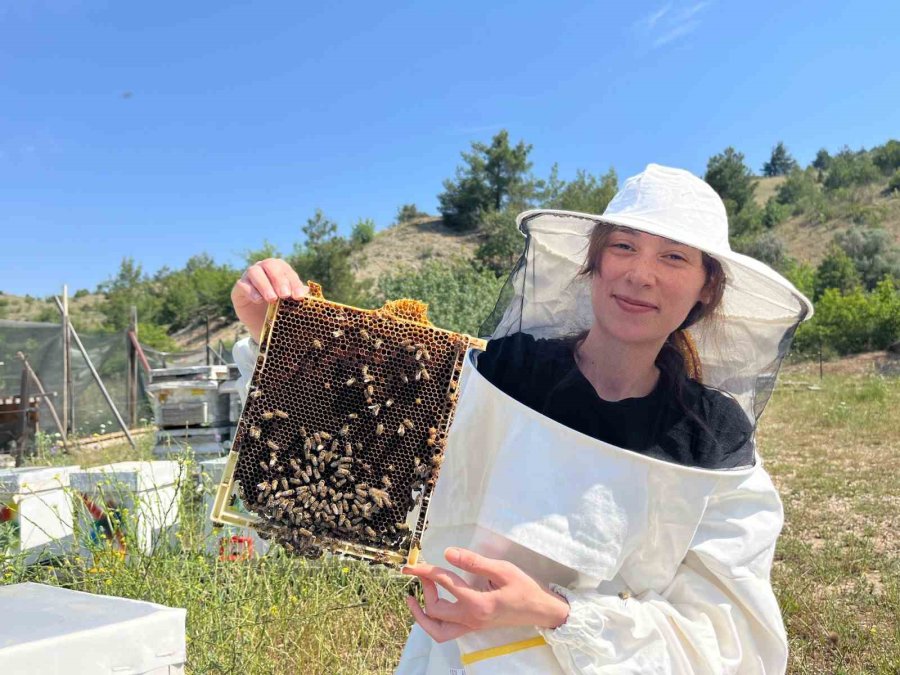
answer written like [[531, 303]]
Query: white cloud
[[671, 22]]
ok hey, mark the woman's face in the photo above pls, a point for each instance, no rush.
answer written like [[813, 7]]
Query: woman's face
[[645, 286]]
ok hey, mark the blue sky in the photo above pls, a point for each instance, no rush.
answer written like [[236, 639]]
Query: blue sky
[[161, 130]]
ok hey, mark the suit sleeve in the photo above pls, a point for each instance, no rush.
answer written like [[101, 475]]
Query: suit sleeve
[[244, 353], [718, 615]]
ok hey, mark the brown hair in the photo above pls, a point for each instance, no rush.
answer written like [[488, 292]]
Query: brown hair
[[670, 360]]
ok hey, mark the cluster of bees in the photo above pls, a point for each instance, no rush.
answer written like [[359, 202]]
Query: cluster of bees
[[377, 405]]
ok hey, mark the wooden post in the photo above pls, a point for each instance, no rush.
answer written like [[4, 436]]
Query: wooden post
[[207, 340], [132, 370], [67, 390], [22, 427], [40, 387], [98, 380]]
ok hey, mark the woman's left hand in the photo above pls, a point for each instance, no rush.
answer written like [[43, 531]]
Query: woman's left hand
[[508, 597]]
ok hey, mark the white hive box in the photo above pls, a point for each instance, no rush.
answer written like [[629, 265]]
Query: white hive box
[[202, 443], [49, 630], [226, 541], [35, 511], [140, 497]]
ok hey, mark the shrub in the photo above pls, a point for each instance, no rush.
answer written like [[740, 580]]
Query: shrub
[[408, 212], [894, 182], [774, 213], [836, 271], [363, 232], [873, 253], [887, 157], [766, 247], [850, 168], [459, 296], [502, 243]]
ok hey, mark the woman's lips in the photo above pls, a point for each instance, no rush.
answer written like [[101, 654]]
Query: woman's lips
[[633, 306]]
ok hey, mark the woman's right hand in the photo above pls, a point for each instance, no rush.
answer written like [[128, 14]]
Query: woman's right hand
[[261, 285]]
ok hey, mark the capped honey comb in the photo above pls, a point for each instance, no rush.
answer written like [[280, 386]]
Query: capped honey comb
[[342, 436]]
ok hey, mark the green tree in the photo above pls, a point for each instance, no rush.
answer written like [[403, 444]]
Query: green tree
[[780, 162], [202, 288], [363, 232], [887, 157], [493, 176], [774, 212], [766, 247], [459, 296], [502, 242], [873, 251], [324, 257], [585, 193], [267, 250], [894, 182], [822, 162], [849, 169], [409, 212], [129, 287], [836, 271], [731, 178]]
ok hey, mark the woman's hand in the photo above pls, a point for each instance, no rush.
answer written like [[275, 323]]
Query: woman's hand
[[261, 285], [507, 597]]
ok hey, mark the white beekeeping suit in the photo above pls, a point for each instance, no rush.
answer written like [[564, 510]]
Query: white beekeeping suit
[[665, 566]]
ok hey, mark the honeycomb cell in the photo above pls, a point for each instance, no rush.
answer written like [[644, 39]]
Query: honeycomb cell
[[343, 433]]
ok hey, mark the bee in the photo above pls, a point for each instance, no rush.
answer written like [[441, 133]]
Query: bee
[[280, 414], [437, 460], [303, 532], [256, 393], [267, 415], [352, 416], [404, 377], [624, 595], [364, 334], [370, 390], [406, 343], [273, 445], [418, 355], [255, 432], [337, 333], [426, 354], [375, 408], [342, 472], [294, 465], [370, 532], [316, 343], [389, 403], [348, 449], [265, 467], [345, 430], [350, 382], [453, 396], [386, 481], [418, 401], [264, 486], [378, 344], [403, 527], [401, 430], [425, 374], [335, 509], [303, 432], [379, 429], [408, 424], [325, 435]]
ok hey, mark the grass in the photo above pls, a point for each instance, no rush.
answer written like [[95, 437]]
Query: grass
[[832, 451]]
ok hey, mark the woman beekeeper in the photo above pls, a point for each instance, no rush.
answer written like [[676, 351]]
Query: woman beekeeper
[[608, 513]]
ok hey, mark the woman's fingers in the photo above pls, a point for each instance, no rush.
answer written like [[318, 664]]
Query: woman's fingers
[[442, 609], [471, 562], [256, 276], [449, 580], [440, 631]]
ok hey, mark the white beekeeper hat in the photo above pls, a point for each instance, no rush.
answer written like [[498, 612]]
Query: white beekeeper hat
[[760, 309]]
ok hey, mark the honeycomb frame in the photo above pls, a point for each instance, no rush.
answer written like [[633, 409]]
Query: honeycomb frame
[[363, 397]]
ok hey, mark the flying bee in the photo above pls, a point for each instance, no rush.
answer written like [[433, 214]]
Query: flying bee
[[316, 343], [409, 424], [401, 430], [273, 445], [337, 333], [379, 429], [280, 414], [256, 393], [255, 432], [267, 415]]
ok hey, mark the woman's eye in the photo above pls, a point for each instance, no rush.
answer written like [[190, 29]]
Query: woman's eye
[[621, 245]]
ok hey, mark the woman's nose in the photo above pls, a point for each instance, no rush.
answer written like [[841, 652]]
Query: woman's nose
[[641, 272]]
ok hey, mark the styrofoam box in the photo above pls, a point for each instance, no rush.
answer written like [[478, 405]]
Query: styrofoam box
[[49, 630], [226, 539], [36, 511], [143, 495], [204, 442]]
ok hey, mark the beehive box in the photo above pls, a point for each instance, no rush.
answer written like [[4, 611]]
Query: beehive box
[[127, 501], [228, 542], [341, 439], [35, 511], [55, 630]]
